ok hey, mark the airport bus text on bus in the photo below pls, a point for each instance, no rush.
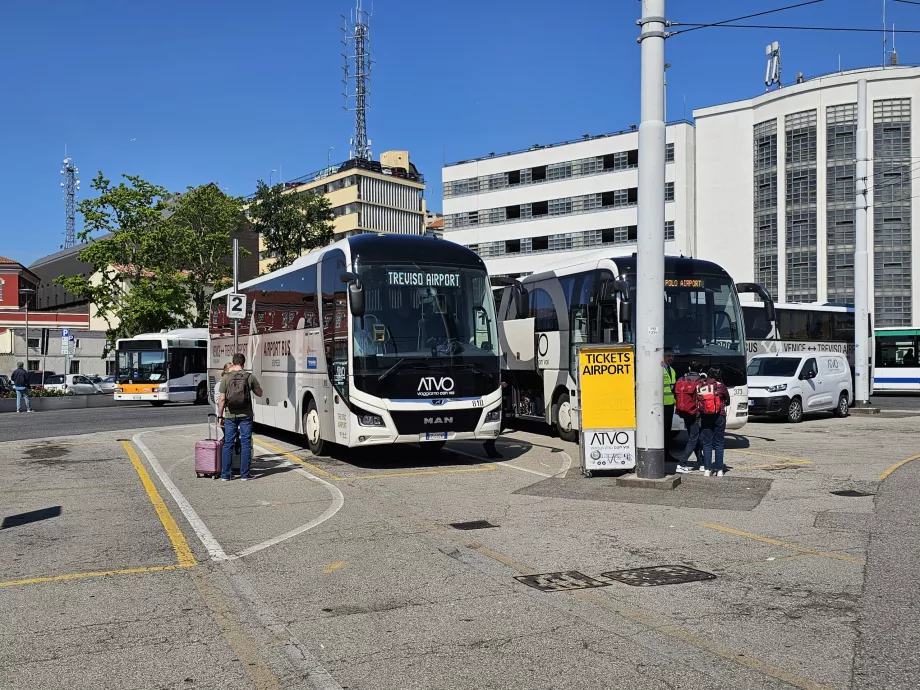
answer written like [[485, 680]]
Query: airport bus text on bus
[[163, 367], [376, 339]]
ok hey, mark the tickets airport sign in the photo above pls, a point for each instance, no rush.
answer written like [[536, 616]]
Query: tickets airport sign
[[607, 398]]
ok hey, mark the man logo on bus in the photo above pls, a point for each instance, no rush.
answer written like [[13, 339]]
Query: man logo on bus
[[431, 386]]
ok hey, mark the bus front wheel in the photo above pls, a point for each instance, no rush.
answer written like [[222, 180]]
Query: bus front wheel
[[201, 395], [565, 426], [311, 429], [158, 403]]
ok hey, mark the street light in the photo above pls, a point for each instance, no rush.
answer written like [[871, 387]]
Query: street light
[[27, 293], [270, 175]]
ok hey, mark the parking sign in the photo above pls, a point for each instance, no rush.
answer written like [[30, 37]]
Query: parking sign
[[236, 306]]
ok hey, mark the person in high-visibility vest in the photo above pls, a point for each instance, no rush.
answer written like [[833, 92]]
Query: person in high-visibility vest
[[669, 379]]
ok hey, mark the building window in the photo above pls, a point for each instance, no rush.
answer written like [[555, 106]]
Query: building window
[[512, 246], [74, 366], [669, 191], [538, 174], [669, 153], [539, 244], [840, 201], [766, 239], [514, 177], [891, 188], [110, 367], [34, 343], [669, 230], [32, 365], [801, 207]]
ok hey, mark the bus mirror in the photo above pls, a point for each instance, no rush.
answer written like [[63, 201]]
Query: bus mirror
[[521, 302], [356, 298], [769, 310], [349, 277]]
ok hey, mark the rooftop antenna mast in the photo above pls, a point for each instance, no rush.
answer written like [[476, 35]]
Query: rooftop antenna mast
[[71, 186], [357, 79], [774, 75]]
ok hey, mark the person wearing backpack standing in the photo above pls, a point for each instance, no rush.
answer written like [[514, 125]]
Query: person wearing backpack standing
[[670, 378], [713, 400], [688, 410], [234, 410]]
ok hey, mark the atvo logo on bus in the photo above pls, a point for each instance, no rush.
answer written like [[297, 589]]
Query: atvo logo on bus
[[432, 386]]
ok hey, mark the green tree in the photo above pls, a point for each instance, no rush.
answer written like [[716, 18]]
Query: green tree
[[290, 223], [201, 225], [134, 284]]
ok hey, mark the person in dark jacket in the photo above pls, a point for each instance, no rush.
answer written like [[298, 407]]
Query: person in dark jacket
[[713, 427], [20, 379]]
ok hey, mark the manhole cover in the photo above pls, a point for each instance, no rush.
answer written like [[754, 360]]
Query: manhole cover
[[472, 524], [851, 493], [658, 575], [560, 582]]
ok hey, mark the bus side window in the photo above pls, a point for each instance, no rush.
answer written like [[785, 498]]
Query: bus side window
[[543, 311], [756, 325]]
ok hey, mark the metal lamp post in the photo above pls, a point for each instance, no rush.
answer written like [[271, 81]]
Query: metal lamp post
[[27, 293]]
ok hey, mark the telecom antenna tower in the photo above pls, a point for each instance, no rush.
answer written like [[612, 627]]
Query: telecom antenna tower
[[71, 186], [357, 79]]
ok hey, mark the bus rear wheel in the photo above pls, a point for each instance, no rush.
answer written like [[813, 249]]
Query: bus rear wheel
[[201, 394], [564, 422], [311, 429]]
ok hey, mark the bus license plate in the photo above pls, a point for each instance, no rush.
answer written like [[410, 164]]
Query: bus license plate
[[433, 436], [137, 397]]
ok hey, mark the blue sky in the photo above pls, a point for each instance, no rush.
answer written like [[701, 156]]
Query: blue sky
[[227, 91]]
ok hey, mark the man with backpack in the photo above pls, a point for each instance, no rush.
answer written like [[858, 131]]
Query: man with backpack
[[234, 409], [688, 410], [713, 399]]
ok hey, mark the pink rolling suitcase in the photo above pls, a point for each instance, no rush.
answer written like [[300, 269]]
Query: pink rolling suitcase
[[208, 452]]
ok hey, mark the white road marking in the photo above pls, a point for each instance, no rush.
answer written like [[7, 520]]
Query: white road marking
[[204, 534], [505, 465], [566, 466], [338, 500]]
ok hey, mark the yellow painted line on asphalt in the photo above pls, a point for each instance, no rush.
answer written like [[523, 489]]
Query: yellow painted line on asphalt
[[666, 628], [900, 463], [766, 455], [180, 545], [783, 544], [773, 466], [377, 475], [99, 573], [329, 569]]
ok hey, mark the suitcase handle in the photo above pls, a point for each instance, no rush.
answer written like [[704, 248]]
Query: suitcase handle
[[212, 425]]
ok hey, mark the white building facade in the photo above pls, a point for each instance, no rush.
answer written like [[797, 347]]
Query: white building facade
[[525, 209], [775, 190]]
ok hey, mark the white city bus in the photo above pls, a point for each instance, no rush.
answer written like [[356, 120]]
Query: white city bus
[[896, 367], [376, 339], [546, 315], [163, 367], [800, 328]]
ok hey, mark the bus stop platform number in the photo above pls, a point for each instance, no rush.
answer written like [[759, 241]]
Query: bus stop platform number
[[236, 306], [607, 398]]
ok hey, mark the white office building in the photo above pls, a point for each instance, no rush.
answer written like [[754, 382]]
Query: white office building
[[775, 190], [525, 209]]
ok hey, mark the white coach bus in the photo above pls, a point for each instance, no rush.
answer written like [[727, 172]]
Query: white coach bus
[[545, 316], [800, 328], [376, 339], [896, 366], [163, 367]]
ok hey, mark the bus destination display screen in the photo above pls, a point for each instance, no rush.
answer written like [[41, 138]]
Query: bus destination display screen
[[423, 278], [686, 283]]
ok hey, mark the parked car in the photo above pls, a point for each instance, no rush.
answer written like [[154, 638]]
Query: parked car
[[73, 384], [36, 378], [5, 383], [107, 384], [791, 384]]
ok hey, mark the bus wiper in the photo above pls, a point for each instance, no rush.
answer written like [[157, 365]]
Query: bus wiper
[[472, 367], [399, 364]]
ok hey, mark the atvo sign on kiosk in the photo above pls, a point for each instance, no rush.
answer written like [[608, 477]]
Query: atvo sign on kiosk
[[607, 396]]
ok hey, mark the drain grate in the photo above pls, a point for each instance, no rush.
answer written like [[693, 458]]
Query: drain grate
[[560, 582], [851, 493], [472, 524], [658, 575]]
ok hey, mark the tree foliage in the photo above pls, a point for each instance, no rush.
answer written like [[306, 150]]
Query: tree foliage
[[290, 223], [201, 228]]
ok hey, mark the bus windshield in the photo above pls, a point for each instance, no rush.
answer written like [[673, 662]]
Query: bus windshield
[[141, 366], [423, 316]]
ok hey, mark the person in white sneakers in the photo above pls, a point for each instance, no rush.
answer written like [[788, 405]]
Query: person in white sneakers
[[713, 400]]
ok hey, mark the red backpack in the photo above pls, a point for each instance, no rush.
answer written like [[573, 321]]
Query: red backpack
[[708, 398], [685, 400]]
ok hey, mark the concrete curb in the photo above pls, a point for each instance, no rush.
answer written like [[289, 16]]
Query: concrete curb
[[70, 402]]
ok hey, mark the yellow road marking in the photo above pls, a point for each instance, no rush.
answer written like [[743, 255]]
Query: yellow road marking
[[666, 628], [100, 573], [774, 465], [378, 475], [766, 455], [183, 552], [884, 475], [783, 544], [333, 566], [294, 458]]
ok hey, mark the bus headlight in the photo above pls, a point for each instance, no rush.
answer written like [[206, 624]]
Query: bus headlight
[[119, 390], [494, 415], [366, 418], [777, 388]]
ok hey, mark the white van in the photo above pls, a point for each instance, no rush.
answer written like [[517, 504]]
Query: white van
[[791, 384]]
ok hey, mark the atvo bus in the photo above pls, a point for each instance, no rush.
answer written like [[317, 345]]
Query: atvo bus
[[800, 328], [545, 316], [376, 339], [163, 367], [896, 367]]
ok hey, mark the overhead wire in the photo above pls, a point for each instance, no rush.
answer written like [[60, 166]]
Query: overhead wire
[[793, 28], [738, 19]]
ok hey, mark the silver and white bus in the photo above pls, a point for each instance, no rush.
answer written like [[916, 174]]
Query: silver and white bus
[[376, 339], [896, 367], [545, 316], [800, 328], [163, 367]]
